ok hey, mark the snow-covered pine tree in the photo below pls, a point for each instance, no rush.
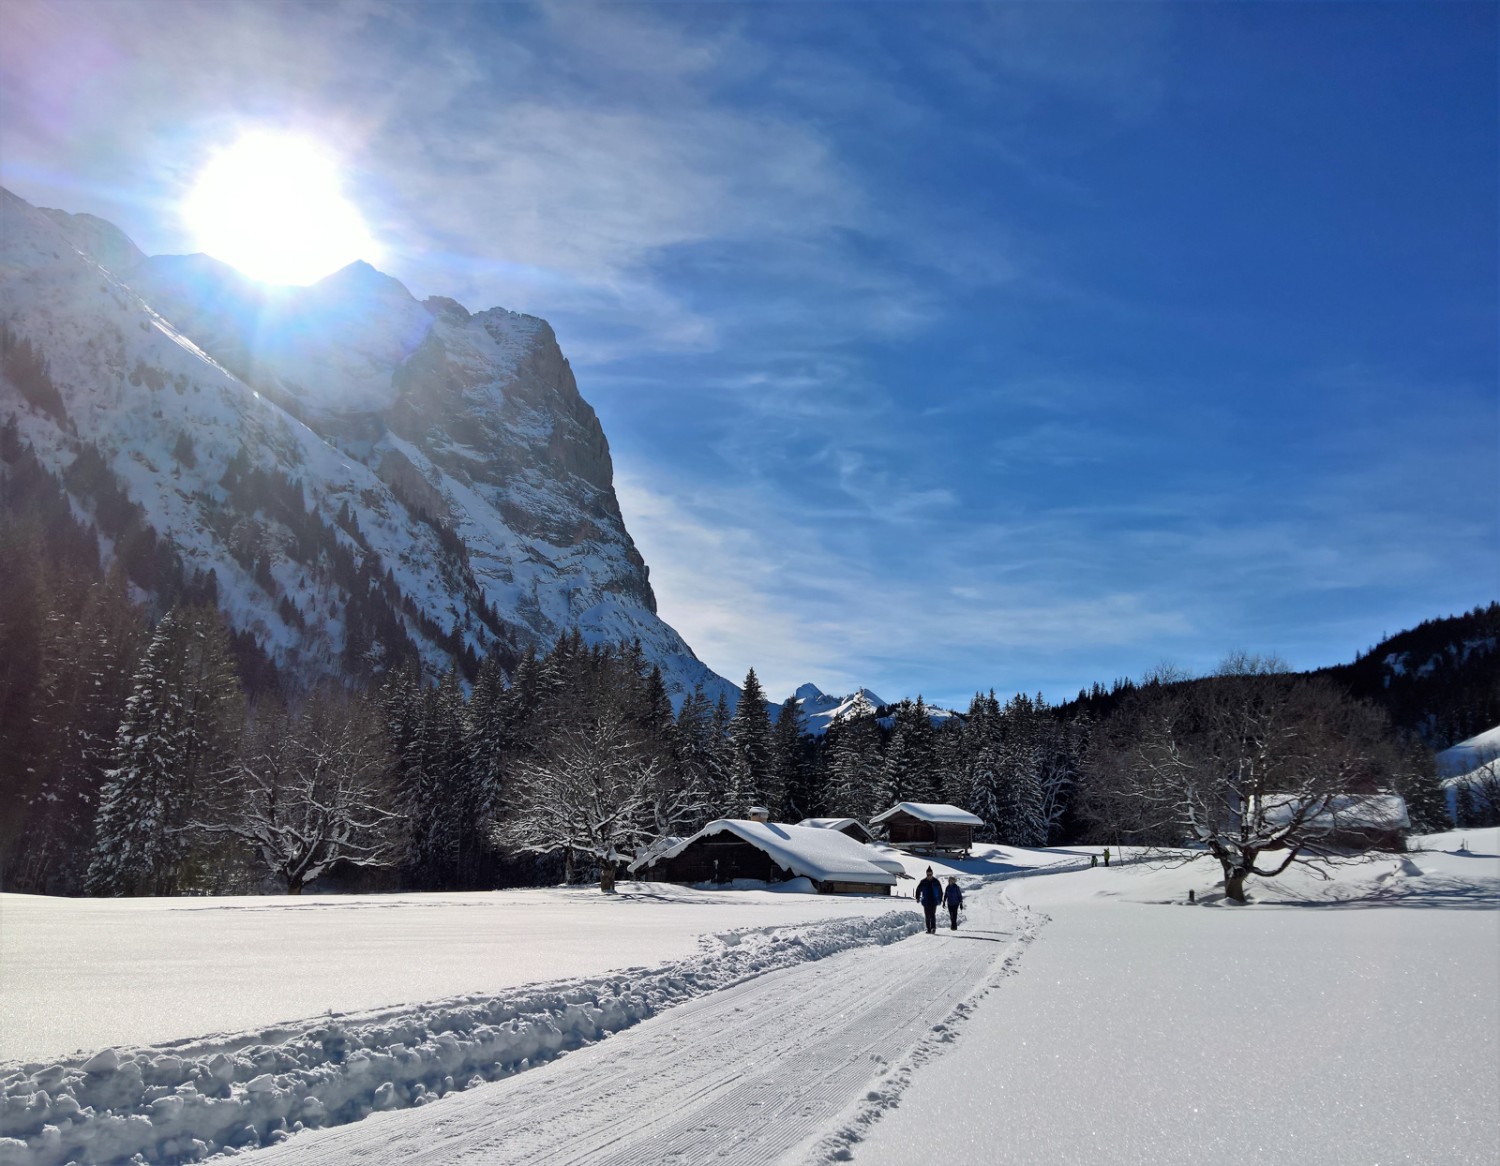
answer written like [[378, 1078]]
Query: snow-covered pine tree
[[896, 766], [488, 753], [1023, 756], [985, 775], [909, 770], [86, 664], [926, 781], [721, 758], [648, 709], [1418, 784], [1466, 815], [852, 746], [750, 748], [951, 762], [697, 753], [791, 765], [175, 743], [430, 794]]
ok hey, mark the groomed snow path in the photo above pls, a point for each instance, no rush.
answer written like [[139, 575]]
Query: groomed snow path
[[768, 1071]]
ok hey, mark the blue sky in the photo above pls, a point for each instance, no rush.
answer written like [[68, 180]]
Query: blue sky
[[940, 347]]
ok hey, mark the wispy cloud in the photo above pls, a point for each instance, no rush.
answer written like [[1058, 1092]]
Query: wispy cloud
[[751, 580], [831, 275]]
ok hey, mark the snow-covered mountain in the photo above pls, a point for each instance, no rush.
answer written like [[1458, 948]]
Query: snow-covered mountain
[[364, 474], [819, 709]]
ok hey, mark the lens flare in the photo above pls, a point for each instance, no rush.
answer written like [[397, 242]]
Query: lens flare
[[272, 206]]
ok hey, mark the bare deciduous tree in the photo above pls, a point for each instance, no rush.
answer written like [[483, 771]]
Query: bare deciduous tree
[[1478, 791], [1255, 769], [592, 793], [312, 791]]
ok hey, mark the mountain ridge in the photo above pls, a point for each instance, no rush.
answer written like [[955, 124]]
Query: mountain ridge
[[336, 455]]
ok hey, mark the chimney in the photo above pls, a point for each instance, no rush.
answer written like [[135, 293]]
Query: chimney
[[759, 814]]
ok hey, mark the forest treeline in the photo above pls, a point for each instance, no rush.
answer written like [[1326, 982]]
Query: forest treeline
[[143, 755]]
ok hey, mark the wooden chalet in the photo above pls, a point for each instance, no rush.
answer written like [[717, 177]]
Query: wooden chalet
[[732, 848], [928, 828]]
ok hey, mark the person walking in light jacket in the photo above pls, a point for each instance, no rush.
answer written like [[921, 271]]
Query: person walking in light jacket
[[955, 899]]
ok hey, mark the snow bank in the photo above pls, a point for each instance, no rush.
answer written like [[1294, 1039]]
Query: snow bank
[[306, 955], [190, 1100]]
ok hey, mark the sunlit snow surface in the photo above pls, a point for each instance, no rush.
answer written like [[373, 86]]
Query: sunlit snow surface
[[154, 970], [1470, 754], [1077, 1015], [1349, 1021]]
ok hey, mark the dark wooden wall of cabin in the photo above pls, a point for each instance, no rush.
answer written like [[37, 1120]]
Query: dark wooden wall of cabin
[[904, 831], [736, 858]]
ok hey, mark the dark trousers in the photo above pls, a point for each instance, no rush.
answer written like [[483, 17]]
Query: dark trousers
[[953, 915], [930, 909]]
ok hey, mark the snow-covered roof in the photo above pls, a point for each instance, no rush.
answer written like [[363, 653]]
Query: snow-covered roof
[[930, 812], [1344, 812], [833, 824], [654, 850], [885, 861], [804, 850]]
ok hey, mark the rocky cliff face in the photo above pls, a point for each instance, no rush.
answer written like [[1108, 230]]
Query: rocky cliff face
[[355, 466]]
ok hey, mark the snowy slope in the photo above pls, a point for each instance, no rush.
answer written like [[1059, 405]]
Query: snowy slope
[[1469, 755], [457, 445]]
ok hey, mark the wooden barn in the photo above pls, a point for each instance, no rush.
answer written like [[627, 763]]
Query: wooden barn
[[853, 827], [732, 849], [928, 827]]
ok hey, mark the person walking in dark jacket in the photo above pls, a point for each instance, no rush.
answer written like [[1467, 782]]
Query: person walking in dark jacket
[[955, 899], [930, 894]]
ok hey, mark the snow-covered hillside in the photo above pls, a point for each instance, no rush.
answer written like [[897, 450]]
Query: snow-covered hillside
[[356, 468], [1469, 755]]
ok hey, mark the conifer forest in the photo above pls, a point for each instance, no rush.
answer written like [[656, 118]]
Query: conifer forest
[[149, 750]]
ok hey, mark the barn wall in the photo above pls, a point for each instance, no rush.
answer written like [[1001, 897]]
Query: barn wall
[[833, 888], [904, 830], [736, 859]]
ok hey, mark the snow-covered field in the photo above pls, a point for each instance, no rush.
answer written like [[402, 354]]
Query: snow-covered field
[[1349, 1021], [155, 970], [1078, 1015]]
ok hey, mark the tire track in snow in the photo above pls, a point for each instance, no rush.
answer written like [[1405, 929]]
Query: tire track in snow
[[787, 1067]]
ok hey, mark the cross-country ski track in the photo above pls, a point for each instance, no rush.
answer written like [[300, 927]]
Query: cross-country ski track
[[786, 1067]]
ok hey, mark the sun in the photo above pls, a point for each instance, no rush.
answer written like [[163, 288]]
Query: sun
[[272, 206]]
